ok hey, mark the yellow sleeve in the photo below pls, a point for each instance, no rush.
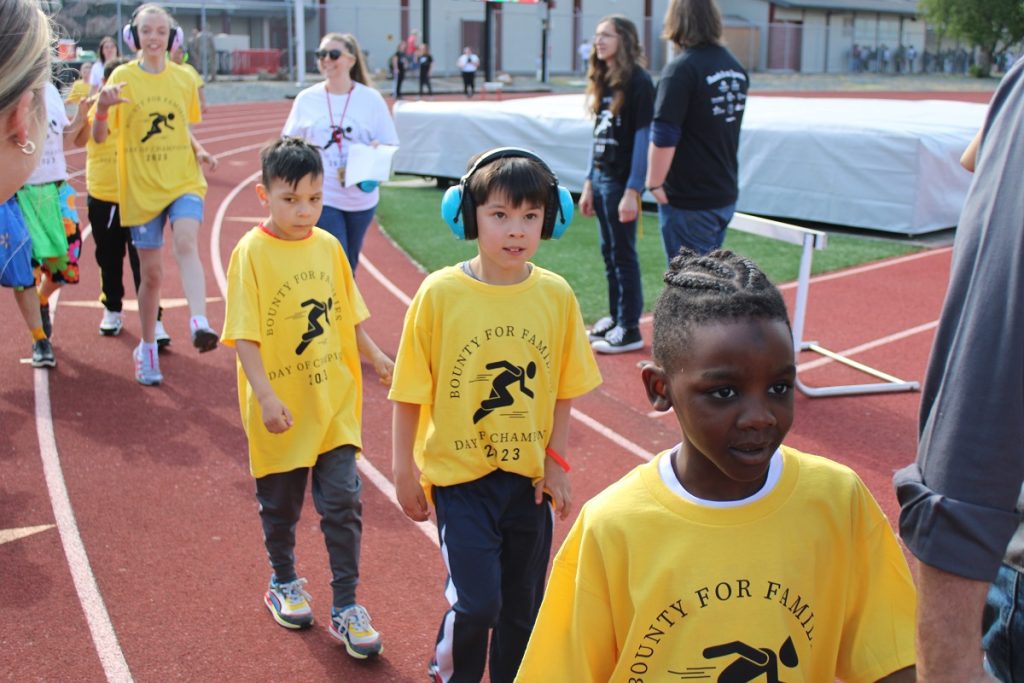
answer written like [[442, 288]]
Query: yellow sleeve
[[241, 305], [573, 640], [580, 373], [878, 636], [413, 381]]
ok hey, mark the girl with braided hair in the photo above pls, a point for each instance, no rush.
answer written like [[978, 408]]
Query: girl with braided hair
[[729, 556]]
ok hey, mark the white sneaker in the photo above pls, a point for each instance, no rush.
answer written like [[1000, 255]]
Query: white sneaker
[[111, 324], [162, 338], [147, 366]]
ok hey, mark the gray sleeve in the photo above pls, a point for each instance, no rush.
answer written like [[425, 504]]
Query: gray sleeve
[[958, 500]]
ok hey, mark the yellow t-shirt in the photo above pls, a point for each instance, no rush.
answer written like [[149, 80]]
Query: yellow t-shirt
[[806, 584], [486, 364], [78, 92], [101, 164], [156, 164], [298, 301]]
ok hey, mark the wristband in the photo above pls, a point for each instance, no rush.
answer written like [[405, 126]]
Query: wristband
[[559, 460], [101, 117]]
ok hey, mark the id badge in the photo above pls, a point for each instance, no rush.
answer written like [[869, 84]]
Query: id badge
[[341, 175]]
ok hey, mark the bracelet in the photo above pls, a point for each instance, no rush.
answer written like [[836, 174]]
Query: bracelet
[[101, 117], [652, 189], [559, 460]]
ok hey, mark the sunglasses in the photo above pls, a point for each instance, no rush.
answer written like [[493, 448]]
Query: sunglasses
[[334, 55]]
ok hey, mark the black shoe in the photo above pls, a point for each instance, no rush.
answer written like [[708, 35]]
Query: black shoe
[[42, 354], [44, 313], [619, 340], [601, 328]]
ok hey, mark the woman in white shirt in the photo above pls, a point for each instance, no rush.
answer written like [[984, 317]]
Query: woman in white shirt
[[104, 53], [342, 111]]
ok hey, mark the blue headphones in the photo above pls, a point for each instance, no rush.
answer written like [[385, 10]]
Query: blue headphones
[[459, 210]]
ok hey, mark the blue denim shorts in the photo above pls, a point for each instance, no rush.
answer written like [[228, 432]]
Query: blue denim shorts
[[151, 235]]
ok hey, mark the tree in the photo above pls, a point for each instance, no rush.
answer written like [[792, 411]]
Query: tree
[[991, 25]]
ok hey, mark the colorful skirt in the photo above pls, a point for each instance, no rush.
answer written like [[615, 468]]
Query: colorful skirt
[[52, 221]]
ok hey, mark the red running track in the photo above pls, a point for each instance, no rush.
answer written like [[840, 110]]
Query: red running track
[[154, 569]]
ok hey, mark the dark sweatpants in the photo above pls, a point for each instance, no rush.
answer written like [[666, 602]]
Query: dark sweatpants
[[336, 489], [495, 541], [112, 241]]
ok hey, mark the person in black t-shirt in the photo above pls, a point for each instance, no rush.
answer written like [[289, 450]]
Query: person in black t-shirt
[[620, 94], [426, 63], [398, 66], [692, 166]]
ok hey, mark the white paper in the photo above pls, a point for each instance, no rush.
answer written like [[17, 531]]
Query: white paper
[[366, 162]]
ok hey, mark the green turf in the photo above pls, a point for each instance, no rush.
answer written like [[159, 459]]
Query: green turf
[[411, 217]]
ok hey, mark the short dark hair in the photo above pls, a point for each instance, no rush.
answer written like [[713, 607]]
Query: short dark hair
[[290, 159], [108, 67], [689, 23], [721, 286], [519, 178]]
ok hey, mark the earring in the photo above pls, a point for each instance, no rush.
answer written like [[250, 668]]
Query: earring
[[28, 148]]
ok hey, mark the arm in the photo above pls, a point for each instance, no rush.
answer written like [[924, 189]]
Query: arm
[[949, 627], [659, 160], [371, 353], [970, 155], [82, 136], [73, 133], [629, 205], [403, 466], [556, 480], [202, 156], [276, 415], [109, 96]]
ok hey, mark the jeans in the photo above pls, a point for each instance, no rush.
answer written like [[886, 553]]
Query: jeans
[[349, 227], [702, 230], [1004, 637], [618, 247]]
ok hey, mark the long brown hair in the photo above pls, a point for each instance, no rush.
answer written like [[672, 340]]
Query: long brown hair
[[615, 76], [359, 73], [689, 23]]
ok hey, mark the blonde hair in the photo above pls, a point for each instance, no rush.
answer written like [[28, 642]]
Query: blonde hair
[[615, 76], [151, 8], [689, 23], [26, 45], [358, 72]]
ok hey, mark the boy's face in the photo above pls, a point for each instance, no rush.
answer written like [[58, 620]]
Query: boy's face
[[507, 237], [294, 211], [733, 398]]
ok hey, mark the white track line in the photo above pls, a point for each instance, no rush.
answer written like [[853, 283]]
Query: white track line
[[365, 467], [100, 627]]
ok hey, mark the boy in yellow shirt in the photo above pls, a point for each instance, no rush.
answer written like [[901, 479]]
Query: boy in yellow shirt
[[492, 353], [729, 557], [294, 316]]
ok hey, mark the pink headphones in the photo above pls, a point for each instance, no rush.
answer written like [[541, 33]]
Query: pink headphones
[[130, 33]]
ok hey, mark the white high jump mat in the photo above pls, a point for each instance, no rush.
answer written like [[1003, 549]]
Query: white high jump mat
[[889, 165]]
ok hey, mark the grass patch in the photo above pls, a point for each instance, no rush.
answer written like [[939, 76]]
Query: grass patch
[[411, 216]]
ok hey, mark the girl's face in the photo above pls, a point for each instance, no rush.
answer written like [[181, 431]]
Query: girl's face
[[606, 41], [733, 398], [108, 50], [154, 28], [335, 67]]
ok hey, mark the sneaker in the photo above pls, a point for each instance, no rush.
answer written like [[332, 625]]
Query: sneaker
[[147, 366], [289, 603], [203, 338], [163, 339], [353, 628], [434, 671], [44, 313], [601, 328], [619, 340], [111, 324], [42, 354]]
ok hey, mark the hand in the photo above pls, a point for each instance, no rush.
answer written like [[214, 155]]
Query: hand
[[659, 195], [205, 157], [109, 96], [82, 113], [410, 494], [385, 368], [556, 481], [628, 207], [276, 416], [587, 200]]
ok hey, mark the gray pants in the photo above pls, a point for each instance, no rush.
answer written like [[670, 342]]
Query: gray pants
[[336, 488]]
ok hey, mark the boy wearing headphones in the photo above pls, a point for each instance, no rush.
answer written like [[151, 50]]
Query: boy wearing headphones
[[493, 351], [159, 178]]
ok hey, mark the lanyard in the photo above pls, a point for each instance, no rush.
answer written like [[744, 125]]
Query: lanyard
[[330, 114]]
